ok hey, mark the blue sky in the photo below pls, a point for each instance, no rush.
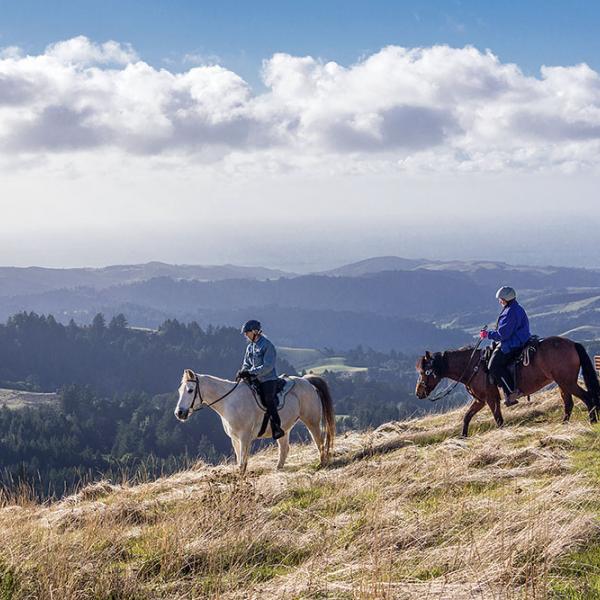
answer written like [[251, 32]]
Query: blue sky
[[133, 131], [242, 34]]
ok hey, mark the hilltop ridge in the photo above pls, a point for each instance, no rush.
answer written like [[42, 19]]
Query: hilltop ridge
[[409, 510]]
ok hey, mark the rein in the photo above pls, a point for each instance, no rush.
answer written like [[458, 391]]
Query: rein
[[449, 390], [197, 394]]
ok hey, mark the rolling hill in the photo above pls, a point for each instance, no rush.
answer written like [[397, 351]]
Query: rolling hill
[[32, 280], [383, 302], [409, 510]]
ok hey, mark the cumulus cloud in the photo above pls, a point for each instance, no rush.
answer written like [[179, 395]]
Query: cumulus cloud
[[10, 52], [80, 50], [424, 108]]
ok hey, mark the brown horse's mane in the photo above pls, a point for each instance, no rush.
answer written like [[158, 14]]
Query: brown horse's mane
[[453, 350], [439, 360]]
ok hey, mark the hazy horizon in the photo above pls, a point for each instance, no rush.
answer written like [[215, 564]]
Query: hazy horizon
[[304, 267]]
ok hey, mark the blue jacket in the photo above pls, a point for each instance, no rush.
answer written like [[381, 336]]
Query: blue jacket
[[513, 328], [260, 358]]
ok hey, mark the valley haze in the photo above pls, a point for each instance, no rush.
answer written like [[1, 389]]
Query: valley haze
[[383, 302]]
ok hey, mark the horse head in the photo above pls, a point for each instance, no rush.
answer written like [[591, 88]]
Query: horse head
[[429, 370], [188, 392]]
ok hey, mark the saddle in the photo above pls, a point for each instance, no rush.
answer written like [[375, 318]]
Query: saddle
[[523, 359], [284, 387]]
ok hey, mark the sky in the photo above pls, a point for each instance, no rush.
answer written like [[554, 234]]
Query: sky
[[298, 135]]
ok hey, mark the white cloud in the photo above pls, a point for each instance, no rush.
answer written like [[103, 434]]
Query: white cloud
[[422, 109], [199, 59], [10, 52], [80, 50]]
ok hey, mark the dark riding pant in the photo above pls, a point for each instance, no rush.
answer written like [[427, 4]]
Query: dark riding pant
[[268, 393], [498, 368]]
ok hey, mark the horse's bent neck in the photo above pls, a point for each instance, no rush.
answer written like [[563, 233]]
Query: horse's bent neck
[[459, 364]]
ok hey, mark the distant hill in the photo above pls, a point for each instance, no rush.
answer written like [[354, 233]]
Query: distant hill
[[483, 272], [21, 399], [375, 265], [341, 330], [393, 309], [583, 333], [32, 280], [385, 302]]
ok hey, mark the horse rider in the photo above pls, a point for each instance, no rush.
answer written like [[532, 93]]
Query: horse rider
[[259, 368], [512, 331]]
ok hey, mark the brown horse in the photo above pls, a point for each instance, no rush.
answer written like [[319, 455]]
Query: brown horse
[[556, 359]]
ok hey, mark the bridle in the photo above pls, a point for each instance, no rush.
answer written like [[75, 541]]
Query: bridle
[[198, 394], [449, 390]]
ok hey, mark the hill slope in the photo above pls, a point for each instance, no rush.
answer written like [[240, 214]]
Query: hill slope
[[31, 280], [407, 511]]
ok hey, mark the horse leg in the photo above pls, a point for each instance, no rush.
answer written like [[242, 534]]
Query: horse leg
[[590, 402], [568, 402], [284, 448], [244, 443], [494, 403], [236, 448], [475, 407], [314, 427]]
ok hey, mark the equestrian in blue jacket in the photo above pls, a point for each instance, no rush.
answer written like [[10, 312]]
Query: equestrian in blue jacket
[[258, 369], [512, 331], [260, 358]]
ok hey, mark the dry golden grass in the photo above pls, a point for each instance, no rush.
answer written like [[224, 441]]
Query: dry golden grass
[[407, 511]]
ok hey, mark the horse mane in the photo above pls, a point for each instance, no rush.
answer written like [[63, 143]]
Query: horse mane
[[439, 360], [439, 364]]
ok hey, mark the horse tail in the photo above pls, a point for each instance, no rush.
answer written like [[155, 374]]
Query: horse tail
[[328, 412], [590, 377]]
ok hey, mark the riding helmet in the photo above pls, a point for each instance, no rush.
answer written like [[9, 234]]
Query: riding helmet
[[251, 325], [506, 293]]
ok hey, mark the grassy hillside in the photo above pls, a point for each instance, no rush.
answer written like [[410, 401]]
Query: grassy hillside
[[21, 399], [407, 511], [314, 361]]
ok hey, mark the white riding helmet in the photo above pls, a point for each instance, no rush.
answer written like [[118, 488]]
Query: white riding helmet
[[506, 293]]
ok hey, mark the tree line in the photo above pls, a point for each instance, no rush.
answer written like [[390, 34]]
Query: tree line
[[117, 389]]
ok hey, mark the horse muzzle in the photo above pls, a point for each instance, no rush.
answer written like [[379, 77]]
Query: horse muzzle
[[182, 415], [421, 391]]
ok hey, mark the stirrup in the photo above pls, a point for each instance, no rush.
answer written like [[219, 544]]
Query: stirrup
[[511, 399]]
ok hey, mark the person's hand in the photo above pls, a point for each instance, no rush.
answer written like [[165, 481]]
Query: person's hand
[[483, 334], [242, 374]]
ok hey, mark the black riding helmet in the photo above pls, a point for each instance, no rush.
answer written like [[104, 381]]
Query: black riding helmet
[[251, 325]]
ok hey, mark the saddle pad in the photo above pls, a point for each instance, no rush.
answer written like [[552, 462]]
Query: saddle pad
[[288, 385]]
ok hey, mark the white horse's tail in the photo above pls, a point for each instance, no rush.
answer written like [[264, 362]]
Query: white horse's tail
[[328, 412]]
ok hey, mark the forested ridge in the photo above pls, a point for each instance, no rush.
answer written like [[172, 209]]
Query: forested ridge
[[117, 391]]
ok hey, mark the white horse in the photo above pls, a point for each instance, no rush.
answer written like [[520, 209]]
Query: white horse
[[308, 401]]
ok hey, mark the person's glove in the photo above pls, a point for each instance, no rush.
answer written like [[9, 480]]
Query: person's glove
[[242, 374], [483, 334]]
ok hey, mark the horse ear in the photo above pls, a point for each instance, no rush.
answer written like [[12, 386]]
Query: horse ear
[[427, 354], [189, 374]]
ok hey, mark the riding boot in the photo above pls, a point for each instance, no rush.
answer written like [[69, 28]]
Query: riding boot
[[268, 391], [276, 425], [498, 367]]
